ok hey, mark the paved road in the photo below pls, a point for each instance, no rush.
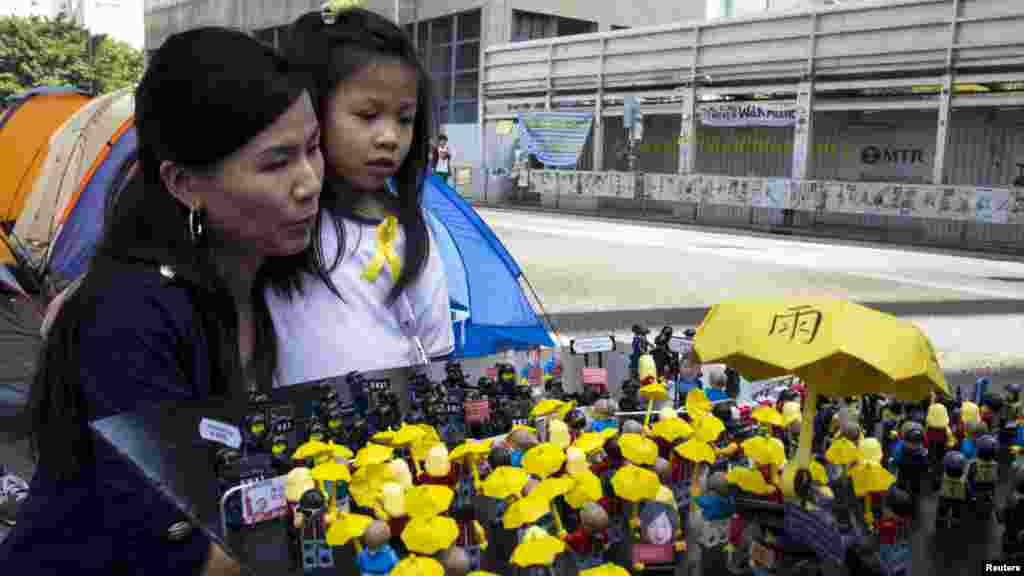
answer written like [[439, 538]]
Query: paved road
[[595, 274]]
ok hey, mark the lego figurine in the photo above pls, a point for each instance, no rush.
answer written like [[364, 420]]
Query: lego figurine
[[309, 518], [953, 492], [973, 429], [892, 420], [641, 346], [1011, 515], [604, 415], [1010, 412], [911, 458], [983, 474], [629, 399], [456, 562], [665, 359], [894, 532], [726, 449], [940, 438], [716, 507], [377, 558], [590, 540], [659, 524], [438, 469]]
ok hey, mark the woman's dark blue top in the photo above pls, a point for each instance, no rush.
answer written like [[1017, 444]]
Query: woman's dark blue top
[[140, 342]]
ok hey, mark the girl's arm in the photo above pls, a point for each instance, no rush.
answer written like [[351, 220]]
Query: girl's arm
[[435, 317]]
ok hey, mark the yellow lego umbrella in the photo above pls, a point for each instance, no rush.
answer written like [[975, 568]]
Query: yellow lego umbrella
[[540, 551], [765, 451], [545, 407], [818, 473], [605, 570], [385, 437], [428, 500], [871, 450], [525, 511], [367, 482], [551, 488], [311, 449], [418, 566], [373, 454], [586, 489], [837, 348], [695, 450], [790, 413], [697, 404], [331, 471], [347, 527], [430, 535], [470, 448], [870, 477], [340, 451], [671, 429], [750, 480], [589, 442], [708, 428], [505, 481], [652, 393], [407, 435], [638, 450], [543, 460], [842, 452], [529, 429], [635, 484]]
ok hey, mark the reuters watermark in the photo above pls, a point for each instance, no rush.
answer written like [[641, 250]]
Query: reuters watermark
[[1002, 568]]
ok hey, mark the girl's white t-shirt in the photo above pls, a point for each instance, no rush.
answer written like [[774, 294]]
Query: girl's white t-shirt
[[321, 336]]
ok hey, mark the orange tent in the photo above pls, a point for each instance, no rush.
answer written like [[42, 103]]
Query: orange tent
[[25, 131]]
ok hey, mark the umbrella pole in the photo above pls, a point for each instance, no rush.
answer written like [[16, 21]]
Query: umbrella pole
[[475, 472], [554, 514], [803, 453], [647, 416]]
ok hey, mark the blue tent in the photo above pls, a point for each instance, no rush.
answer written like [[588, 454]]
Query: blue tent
[[74, 246], [490, 311]]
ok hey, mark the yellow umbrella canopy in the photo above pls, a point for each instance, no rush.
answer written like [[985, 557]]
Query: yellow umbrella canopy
[[386, 437], [505, 481], [538, 552], [565, 408], [470, 448], [708, 428], [311, 449], [871, 450], [418, 566], [428, 500], [588, 442], [842, 452], [837, 348], [870, 477], [653, 392], [605, 570], [422, 446], [430, 535], [373, 454], [331, 471], [672, 429], [543, 460], [529, 429], [635, 484], [750, 480], [638, 450], [367, 482], [347, 527], [695, 450], [525, 511], [790, 413], [545, 407], [587, 489], [551, 488], [340, 451], [697, 404], [767, 415], [765, 451], [406, 435], [818, 473]]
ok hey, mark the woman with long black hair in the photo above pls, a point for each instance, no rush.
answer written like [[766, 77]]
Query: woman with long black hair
[[225, 208]]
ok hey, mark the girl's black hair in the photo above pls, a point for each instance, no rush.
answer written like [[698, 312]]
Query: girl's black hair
[[240, 86], [333, 53]]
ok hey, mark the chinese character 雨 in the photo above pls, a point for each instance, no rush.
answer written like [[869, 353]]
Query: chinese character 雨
[[800, 323]]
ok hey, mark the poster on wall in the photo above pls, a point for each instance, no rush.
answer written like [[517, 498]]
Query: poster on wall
[[545, 182], [774, 193], [743, 114], [593, 184], [555, 138], [568, 183], [805, 196], [992, 206], [669, 190]]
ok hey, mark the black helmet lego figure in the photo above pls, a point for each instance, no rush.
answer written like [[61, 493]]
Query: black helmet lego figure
[[953, 491], [912, 458], [641, 346], [983, 474], [666, 361]]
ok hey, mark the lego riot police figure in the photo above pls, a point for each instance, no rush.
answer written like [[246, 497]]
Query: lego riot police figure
[[665, 359], [641, 346]]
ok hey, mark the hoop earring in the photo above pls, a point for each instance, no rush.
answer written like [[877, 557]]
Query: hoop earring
[[195, 225]]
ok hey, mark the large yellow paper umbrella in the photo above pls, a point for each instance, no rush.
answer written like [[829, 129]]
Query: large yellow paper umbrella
[[635, 484], [767, 415], [418, 566], [524, 511], [586, 489], [347, 527], [311, 450], [671, 429], [652, 393], [430, 535], [750, 480], [765, 451], [543, 460], [373, 454], [428, 500], [638, 450], [589, 442], [837, 348], [605, 570], [540, 551], [545, 407]]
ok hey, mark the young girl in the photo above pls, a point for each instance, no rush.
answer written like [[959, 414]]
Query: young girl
[[391, 305]]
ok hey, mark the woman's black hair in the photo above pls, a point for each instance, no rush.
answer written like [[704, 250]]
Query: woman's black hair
[[240, 86], [333, 53]]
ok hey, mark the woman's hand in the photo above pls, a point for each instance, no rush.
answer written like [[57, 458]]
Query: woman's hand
[[218, 563]]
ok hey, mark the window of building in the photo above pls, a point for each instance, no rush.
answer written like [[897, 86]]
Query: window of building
[[572, 26], [450, 48], [531, 26], [615, 27]]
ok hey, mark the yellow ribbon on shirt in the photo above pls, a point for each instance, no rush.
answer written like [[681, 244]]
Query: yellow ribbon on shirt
[[387, 231]]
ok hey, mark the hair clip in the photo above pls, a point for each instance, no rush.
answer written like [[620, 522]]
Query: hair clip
[[330, 9]]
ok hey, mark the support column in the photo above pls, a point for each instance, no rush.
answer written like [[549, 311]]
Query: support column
[[803, 132], [598, 152], [942, 131], [688, 131]]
